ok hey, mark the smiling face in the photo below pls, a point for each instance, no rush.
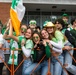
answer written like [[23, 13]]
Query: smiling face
[[36, 38], [28, 33], [23, 29], [50, 30], [44, 34]]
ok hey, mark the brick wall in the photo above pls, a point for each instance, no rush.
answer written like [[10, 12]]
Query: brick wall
[[4, 12]]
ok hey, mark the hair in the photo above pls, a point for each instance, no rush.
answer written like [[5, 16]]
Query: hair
[[52, 34], [37, 34], [38, 27], [73, 19], [41, 34], [22, 25], [61, 22], [31, 32]]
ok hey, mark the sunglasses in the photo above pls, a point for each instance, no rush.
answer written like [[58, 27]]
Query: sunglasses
[[32, 23], [23, 29], [36, 37]]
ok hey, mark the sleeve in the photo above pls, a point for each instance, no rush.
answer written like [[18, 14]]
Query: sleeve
[[70, 38], [20, 39], [29, 44], [1, 40], [57, 45], [27, 52], [57, 50], [59, 36], [48, 51]]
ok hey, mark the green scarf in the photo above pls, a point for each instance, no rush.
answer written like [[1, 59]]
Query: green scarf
[[48, 51]]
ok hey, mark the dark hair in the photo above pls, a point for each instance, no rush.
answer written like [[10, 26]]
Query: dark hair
[[38, 27], [37, 34], [73, 20], [61, 22]]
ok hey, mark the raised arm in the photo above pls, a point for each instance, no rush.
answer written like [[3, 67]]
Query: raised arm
[[11, 33], [26, 50]]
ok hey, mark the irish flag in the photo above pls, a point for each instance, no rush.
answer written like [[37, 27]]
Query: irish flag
[[17, 12]]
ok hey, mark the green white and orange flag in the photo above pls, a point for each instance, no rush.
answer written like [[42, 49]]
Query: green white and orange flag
[[17, 12]]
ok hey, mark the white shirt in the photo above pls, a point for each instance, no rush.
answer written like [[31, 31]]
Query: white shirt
[[1, 51]]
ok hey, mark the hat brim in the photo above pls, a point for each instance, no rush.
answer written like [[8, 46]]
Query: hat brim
[[48, 26]]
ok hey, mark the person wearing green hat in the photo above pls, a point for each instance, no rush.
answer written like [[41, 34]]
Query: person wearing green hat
[[32, 24], [65, 18]]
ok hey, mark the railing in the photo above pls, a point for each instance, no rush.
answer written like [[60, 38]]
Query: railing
[[12, 66]]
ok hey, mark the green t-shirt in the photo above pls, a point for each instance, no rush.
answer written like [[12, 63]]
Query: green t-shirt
[[29, 44], [20, 39], [58, 37]]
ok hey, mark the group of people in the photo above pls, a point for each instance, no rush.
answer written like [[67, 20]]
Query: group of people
[[53, 44]]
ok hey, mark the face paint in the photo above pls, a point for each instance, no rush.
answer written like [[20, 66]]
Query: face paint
[[23, 29], [35, 37]]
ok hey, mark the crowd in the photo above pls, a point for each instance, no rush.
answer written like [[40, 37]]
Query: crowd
[[53, 45]]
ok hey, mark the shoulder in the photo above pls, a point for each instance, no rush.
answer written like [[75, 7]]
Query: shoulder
[[29, 41], [57, 33], [20, 38]]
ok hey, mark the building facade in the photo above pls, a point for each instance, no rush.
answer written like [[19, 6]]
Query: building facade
[[40, 10]]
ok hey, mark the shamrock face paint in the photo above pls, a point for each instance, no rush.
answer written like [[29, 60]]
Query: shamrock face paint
[[23, 29], [36, 38]]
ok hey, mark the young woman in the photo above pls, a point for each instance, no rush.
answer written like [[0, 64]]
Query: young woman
[[57, 37], [27, 47], [24, 36], [40, 49]]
